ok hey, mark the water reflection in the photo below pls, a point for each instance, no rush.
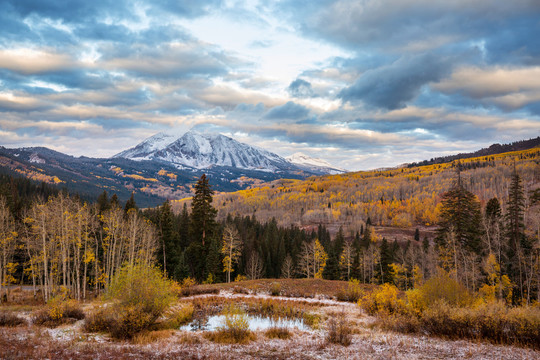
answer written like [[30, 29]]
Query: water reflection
[[255, 323]]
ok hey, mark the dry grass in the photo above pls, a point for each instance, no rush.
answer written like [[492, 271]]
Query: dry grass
[[101, 319], [266, 307], [226, 337], [58, 312], [308, 288], [275, 289], [9, 319], [189, 338], [148, 337], [339, 330], [277, 332]]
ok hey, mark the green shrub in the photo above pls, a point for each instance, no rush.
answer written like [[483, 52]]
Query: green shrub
[[10, 320], [140, 295], [141, 286]]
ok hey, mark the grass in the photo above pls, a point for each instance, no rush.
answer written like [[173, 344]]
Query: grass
[[58, 312], [277, 332], [235, 327], [275, 289], [352, 293], [10, 319], [148, 337], [266, 307], [308, 288], [100, 320], [339, 330]]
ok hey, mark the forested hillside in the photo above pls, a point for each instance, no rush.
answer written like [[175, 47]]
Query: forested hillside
[[402, 198]]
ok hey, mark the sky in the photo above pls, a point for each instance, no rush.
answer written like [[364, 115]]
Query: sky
[[362, 84]]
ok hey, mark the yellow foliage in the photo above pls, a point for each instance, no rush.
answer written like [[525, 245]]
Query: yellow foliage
[[383, 300], [239, 278]]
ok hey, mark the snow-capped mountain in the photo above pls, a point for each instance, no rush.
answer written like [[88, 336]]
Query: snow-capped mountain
[[200, 151], [313, 164], [145, 149]]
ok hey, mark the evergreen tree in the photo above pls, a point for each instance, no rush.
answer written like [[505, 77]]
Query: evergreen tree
[[130, 204], [517, 241], [114, 201], [184, 227], [169, 253], [103, 202], [182, 269], [425, 245], [214, 261], [460, 213], [203, 213], [366, 239], [386, 259]]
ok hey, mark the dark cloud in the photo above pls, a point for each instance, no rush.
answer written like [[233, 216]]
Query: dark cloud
[[513, 43], [73, 12], [188, 9], [290, 111], [300, 88], [392, 86]]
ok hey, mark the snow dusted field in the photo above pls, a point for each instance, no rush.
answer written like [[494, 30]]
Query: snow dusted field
[[69, 341]]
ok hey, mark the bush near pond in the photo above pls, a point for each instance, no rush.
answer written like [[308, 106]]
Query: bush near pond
[[443, 307]]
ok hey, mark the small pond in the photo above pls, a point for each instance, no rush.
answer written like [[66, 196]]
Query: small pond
[[255, 323]]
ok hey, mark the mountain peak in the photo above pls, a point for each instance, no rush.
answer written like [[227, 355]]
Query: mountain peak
[[313, 164], [200, 150]]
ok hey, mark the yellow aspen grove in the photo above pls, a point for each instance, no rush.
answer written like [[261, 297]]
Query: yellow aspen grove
[[8, 237]]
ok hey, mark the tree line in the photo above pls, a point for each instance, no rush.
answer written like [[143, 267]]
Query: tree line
[[64, 242]]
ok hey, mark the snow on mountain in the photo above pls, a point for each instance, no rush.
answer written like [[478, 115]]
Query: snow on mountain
[[198, 150], [313, 164], [145, 149]]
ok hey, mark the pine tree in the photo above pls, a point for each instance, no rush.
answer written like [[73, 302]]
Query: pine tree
[[203, 213], [214, 260], [517, 242], [130, 204], [460, 213], [386, 259], [170, 251], [114, 201], [103, 202], [184, 227]]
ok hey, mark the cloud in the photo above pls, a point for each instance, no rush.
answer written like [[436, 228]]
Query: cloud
[[29, 61], [390, 24], [300, 88], [508, 88], [394, 85], [290, 110]]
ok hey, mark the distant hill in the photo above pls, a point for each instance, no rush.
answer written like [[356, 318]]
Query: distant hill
[[492, 150], [399, 198]]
